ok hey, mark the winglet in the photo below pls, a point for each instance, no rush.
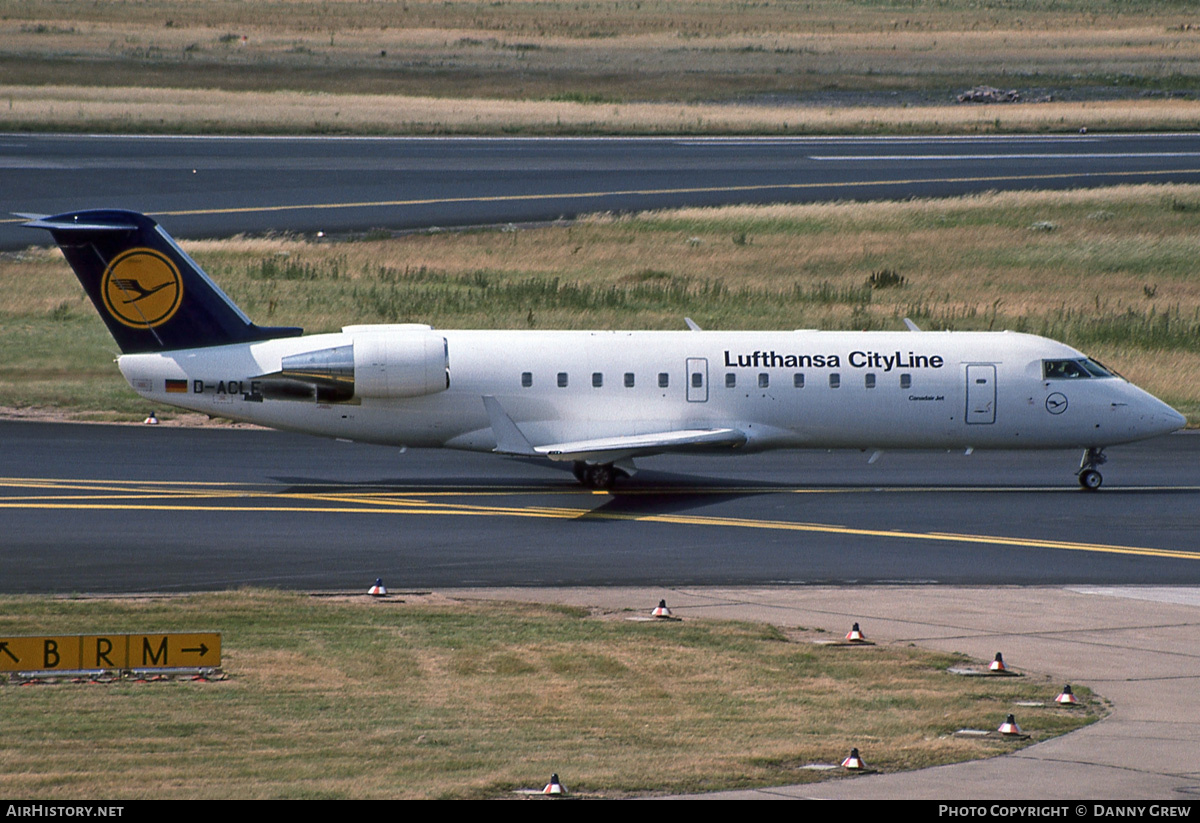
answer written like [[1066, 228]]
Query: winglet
[[509, 439]]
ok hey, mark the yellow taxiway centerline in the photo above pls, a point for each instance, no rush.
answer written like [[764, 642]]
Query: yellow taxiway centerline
[[400, 503], [583, 195], [517, 198]]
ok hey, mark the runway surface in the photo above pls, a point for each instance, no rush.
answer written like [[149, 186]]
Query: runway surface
[[137, 508], [218, 186]]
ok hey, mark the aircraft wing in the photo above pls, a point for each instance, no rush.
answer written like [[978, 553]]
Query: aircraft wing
[[613, 449], [510, 440]]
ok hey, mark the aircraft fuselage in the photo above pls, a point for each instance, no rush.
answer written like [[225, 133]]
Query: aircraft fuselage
[[596, 399], [802, 389]]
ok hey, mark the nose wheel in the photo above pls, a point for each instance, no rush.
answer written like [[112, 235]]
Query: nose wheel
[[1089, 477]]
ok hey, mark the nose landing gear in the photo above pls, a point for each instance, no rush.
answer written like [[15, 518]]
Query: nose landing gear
[[1089, 478]]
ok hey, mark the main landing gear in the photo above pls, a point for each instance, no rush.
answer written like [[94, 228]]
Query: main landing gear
[[1089, 478], [600, 476]]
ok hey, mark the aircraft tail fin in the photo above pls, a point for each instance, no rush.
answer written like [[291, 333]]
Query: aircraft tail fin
[[150, 294]]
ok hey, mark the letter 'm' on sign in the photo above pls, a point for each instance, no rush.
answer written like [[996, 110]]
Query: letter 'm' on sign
[[175, 650], [154, 657]]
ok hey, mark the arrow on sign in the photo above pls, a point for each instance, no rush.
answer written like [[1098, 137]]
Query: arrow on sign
[[202, 649], [4, 648]]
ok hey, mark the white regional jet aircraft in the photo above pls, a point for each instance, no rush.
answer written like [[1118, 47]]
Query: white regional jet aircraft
[[595, 399]]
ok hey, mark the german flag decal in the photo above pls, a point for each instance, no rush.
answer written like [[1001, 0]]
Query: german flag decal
[[176, 387]]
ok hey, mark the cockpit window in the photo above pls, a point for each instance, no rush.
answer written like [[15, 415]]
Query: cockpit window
[[1096, 369], [1073, 369], [1060, 369]]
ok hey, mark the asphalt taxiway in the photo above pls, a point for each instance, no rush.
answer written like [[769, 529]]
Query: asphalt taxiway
[[141, 508], [219, 186]]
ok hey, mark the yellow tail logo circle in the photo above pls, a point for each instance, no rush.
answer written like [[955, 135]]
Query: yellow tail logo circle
[[142, 288]]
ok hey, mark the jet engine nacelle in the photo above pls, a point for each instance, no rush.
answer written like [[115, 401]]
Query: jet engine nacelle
[[403, 361], [380, 362]]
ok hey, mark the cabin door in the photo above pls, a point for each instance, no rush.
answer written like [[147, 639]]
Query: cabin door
[[697, 379], [981, 394]]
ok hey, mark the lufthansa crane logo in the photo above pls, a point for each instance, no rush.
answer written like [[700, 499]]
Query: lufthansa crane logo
[[142, 288], [1056, 403]]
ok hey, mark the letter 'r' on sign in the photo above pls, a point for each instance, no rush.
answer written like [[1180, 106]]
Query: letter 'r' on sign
[[104, 651]]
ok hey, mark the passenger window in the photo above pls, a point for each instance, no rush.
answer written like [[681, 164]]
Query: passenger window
[[906, 381], [798, 380], [697, 380], [730, 380], [835, 380], [597, 379], [869, 381], [629, 380], [526, 379], [664, 379], [562, 379], [764, 380]]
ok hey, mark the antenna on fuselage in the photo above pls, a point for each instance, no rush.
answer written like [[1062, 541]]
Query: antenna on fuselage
[[691, 324], [910, 325]]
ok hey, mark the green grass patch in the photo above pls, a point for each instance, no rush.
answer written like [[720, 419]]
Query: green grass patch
[[358, 698]]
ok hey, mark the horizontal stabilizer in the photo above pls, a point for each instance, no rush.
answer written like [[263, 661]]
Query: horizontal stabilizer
[[59, 224]]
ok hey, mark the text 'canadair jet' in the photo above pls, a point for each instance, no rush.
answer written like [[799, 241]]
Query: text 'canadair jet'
[[595, 399]]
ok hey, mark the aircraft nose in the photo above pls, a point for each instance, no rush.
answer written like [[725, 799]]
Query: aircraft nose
[[1146, 415], [1175, 419], [1163, 419]]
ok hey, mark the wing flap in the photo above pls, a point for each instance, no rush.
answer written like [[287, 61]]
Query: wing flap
[[511, 440], [611, 449]]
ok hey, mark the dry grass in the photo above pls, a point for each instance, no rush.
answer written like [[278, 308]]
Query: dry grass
[[174, 110], [422, 66], [428, 698]]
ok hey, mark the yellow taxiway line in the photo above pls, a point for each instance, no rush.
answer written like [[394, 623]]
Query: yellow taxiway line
[[137, 496], [585, 195]]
